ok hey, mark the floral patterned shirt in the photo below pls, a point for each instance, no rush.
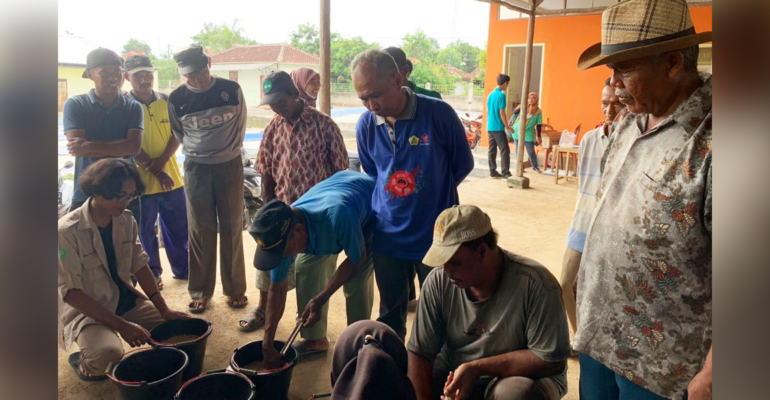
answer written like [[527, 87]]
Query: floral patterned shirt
[[644, 286], [300, 156]]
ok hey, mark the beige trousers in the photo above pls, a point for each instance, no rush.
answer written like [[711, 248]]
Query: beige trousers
[[568, 280], [99, 344], [215, 203]]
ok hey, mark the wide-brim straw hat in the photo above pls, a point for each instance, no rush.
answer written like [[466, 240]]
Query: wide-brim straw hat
[[642, 28]]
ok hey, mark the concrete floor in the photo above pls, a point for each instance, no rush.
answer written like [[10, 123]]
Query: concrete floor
[[532, 222]]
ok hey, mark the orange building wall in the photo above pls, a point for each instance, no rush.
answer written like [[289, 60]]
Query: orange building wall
[[569, 96]]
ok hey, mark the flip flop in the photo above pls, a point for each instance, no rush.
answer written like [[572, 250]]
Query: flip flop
[[74, 360], [303, 353], [195, 310], [251, 319], [233, 304]]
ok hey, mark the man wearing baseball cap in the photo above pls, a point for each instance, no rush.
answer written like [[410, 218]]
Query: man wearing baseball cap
[[300, 148], [490, 324], [102, 123], [164, 193], [644, 309], [333, 216], [208, 117]]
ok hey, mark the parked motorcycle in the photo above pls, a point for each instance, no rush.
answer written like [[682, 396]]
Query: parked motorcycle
[[472, 129], [66, 190], [252, 190]]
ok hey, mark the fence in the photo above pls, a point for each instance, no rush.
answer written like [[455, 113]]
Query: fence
[[478, 90]]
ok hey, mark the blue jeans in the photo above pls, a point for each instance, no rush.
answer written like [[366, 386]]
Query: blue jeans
[[598, 382], [173, 226], [530, 146]]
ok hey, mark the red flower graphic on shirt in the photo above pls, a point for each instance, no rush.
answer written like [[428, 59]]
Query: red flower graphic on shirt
[[403, 183]]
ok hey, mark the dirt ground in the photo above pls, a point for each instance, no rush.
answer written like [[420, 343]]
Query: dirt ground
[[532, 222]]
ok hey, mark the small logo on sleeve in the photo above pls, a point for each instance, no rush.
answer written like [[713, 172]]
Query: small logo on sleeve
[[225, 96]]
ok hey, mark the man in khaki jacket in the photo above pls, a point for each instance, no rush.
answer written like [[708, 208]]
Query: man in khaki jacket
[[98, 251]]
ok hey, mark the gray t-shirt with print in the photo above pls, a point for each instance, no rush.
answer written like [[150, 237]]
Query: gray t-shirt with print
[[525, 311]]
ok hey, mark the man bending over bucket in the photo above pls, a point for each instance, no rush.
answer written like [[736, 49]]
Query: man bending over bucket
[[333, 216], [99, 249]]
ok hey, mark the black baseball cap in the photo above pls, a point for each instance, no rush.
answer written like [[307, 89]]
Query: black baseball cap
[[276, 84], [397, 55], [137, 61], [191, 59], [270, 228], [101, 57]]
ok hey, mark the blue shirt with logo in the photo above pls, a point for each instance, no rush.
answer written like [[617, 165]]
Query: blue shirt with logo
[[339, 217], [495, 103], [416, 175], [102, 124]]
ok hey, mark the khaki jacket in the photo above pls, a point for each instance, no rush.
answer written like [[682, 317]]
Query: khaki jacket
[[83, 265]]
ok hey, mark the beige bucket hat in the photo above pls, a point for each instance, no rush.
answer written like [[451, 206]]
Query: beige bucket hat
[[641, 28], [455, 226]]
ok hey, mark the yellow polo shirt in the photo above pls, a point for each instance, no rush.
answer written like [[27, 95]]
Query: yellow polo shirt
[[157, 133]]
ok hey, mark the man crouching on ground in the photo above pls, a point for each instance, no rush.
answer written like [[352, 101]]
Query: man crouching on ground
[[489, 322]]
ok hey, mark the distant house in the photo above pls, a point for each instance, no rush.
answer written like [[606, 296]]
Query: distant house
[[248, 65], [73, 51]]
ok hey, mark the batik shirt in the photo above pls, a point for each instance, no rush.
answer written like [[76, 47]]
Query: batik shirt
[[301, 155], [644, 286]]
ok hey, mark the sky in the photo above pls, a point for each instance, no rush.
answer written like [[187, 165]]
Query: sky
[[168, 25]]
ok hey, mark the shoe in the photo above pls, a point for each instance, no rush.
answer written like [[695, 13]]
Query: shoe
[[537, 170], [495, 175], [506, 176]]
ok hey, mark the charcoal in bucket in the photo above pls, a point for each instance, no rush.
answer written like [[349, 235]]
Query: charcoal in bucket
[[196, 332], [217, 386], [152, 374], [269, 385]]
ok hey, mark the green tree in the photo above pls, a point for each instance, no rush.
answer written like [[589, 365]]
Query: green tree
[[136, 45], [418, 45], [342, 53], [219, 38], [306, 38], [460, 55], [167, 69], [481, 59]]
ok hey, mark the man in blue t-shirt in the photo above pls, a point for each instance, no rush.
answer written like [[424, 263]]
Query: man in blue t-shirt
[[333, 216], [415, 148], [496, 128], [102, 123]]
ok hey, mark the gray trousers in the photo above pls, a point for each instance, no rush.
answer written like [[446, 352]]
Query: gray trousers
[[215, 203]]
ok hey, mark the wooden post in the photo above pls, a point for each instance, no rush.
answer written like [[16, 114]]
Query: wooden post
[[325, 96], [524, 93]]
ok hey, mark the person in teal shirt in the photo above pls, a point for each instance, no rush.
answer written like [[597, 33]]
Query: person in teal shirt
[[496, 129], [534, 118]]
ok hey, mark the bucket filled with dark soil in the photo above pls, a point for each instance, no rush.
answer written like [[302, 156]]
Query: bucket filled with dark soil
[[217, 385], [152, 374], [190, 336], [269, 384]]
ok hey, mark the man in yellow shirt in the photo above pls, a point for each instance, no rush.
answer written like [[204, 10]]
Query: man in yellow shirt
[[165, 194]]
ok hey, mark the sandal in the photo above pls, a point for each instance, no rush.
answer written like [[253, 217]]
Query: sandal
[[251, 321], [304, 353], [238, 304], [74, 360], [159, 282], [197, 306]]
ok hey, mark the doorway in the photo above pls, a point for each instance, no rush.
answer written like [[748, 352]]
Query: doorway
[[513, 66]]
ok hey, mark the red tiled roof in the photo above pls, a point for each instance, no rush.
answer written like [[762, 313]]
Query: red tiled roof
[[280, 52]]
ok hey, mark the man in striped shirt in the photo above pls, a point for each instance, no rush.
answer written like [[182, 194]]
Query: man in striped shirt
[[592, 148]]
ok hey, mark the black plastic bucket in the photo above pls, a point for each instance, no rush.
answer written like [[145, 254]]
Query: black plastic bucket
[[273, 385], [195, 349], [152, 374], [217, 385]]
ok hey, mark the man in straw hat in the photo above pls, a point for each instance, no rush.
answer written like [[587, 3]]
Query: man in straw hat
[[644, 286], [494, 319]]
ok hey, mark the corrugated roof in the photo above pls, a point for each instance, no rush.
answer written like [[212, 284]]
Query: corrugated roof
[[568, 7], [265, 53], [73, 50]]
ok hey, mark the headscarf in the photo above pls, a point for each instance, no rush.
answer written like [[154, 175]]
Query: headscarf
[[534, 109], [374, 369], [301, 77]]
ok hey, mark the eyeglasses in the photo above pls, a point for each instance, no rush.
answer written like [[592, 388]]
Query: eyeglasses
[[193, 75], [127, 198]]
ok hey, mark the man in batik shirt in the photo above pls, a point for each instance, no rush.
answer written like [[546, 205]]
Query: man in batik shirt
[[644, 287]]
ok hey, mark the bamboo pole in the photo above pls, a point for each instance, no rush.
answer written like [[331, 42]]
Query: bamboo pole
[[524, 93], [325, 96]]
